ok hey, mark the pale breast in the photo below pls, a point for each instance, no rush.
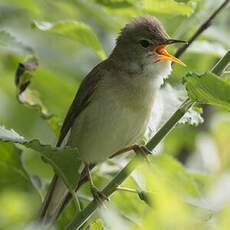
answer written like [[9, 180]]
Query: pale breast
[[116, 117]]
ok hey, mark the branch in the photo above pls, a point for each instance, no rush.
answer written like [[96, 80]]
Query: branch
[[201, 29], [124, 189], [111, 187], [221, 65]]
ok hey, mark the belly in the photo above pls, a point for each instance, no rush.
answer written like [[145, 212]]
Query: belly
[[105, 127]]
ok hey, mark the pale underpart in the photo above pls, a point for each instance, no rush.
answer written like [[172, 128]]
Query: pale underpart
[[118, 113]]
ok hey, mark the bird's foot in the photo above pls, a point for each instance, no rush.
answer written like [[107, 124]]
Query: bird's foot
[[143, 151], [98, 195], [138, 149]]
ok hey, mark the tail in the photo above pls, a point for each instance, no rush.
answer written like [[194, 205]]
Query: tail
[[58, 197], [53, 200]]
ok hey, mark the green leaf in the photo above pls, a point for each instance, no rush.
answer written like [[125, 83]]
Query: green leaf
[[168, 7], [24, 7], [31, 97], [96, 225], [10, 43], [24, 73], [64, 161], [145, 196], [133, 8], [75, 30], [17, 192], [11, 168], [183, 137], [185, 0], [10, 135], [67, 215], [173, 172], [168, 186], [208, 89], [116, 4]]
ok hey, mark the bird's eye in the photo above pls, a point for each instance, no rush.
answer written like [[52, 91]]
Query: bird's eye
[[145, 43]]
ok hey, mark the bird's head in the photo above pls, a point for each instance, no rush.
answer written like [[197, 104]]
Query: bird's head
[[145, 40]]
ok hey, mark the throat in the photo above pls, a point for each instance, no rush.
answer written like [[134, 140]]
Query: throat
[[143, 85], [157, 72]]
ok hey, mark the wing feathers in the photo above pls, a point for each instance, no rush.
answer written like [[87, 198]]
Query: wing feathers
[[81, 100]]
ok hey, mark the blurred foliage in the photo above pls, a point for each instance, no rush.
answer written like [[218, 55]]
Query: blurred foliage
[[17, 192], [68, 38], [77, 31], [208, 89], [58, 158]]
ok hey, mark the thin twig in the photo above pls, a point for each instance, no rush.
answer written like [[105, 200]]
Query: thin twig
[[201, 29], [124, 189], [218, 68]]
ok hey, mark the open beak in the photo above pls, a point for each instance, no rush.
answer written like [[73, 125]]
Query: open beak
[[163, 53]]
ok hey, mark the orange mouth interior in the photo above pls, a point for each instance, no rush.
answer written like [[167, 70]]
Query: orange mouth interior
[[164, 55]]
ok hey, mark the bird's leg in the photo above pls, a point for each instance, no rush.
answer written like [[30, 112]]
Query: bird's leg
[[138, 149], [98, 196]]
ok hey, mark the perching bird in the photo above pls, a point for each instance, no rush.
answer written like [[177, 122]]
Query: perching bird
[[113, 105]]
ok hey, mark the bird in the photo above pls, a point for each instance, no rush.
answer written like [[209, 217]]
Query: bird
[[113, 105]]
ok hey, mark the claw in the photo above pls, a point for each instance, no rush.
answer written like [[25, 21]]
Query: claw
[[143, 149], [145, 152], [99, 196], [136, 148]]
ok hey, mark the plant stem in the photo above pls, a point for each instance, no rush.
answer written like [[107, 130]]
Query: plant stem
[[201, 29], [85, 214], [124, 189], [221, 65]]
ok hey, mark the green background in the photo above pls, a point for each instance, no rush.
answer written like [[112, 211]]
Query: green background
[[188, 183]]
